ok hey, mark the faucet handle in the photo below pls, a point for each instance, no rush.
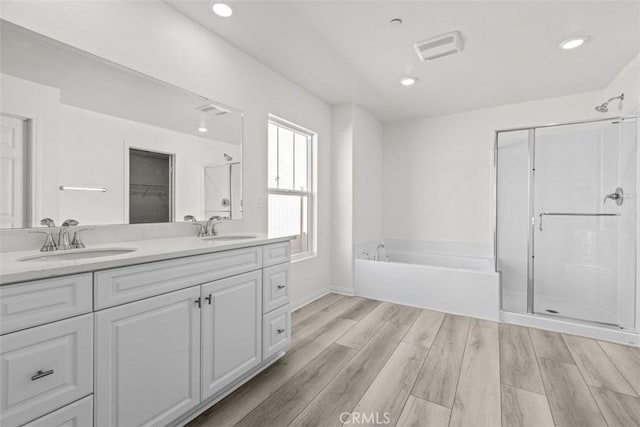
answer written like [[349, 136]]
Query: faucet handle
[[47, 222], [70, 223], [190, 218], [76, 242]]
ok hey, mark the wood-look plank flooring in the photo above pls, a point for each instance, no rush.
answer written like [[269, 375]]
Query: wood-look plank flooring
[[355, 361]]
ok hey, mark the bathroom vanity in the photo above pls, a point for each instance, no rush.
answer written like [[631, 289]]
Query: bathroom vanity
[[150, 337]]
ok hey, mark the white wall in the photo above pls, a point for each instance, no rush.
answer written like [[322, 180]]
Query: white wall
[[367, 178], [627, 82], [151, 37], [342, 198], [438, 170], [357, 189]]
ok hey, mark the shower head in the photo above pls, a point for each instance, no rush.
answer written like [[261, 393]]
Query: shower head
[[227, 157], [604, 107]]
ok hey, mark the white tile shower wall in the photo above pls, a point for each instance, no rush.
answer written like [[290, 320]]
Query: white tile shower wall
[[173, 48]]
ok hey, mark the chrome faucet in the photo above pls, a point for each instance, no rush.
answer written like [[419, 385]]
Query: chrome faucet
[[378, 249], [50, 245], [201, 231], [63, 235], [211, 225]]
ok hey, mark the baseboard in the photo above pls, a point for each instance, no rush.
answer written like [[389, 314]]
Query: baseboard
[[341, 290], [301, 302]]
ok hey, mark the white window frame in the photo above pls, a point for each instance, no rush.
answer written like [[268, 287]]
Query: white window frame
[[310, 193]]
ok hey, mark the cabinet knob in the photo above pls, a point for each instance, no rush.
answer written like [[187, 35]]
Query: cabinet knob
[[41, 374], [281, 286], [198, 302], [280, 331], [209, 299]]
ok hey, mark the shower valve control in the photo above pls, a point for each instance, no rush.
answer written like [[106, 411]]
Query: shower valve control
[[617, 195]]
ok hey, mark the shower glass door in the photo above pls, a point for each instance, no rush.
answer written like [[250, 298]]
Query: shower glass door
[[584, 255]]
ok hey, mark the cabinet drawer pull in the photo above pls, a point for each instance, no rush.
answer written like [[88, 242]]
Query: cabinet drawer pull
[[41, 374], [280, 331], [281, 286], [209, 299]]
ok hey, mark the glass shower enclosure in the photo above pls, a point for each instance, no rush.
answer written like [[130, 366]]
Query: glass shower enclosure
[[565, 234]]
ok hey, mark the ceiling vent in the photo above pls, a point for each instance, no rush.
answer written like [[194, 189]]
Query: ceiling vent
[[439, 46], [216, 110]]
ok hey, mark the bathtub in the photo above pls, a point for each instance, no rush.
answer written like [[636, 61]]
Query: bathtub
[[458, 284]]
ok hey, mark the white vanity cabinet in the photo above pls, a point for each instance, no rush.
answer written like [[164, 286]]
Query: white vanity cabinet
[[231, 330], [150, 344], [148, 360]]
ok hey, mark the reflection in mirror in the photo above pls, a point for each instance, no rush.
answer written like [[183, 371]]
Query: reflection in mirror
[[222, 185], [88, 139]]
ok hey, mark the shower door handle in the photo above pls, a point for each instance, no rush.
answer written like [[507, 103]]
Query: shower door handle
[[542, 214]]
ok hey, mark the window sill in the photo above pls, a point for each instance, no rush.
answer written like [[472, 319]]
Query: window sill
[[304, 256]]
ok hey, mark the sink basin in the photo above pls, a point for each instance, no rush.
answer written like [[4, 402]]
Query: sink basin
[[229, 237], [74, 254]]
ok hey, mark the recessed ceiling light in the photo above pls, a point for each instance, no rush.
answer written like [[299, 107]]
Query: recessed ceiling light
[[408, 81], [573, 43], [221, 9], [202, 129]]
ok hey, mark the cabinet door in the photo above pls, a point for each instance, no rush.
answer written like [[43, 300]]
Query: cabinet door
[[148, 360], [231, 330]]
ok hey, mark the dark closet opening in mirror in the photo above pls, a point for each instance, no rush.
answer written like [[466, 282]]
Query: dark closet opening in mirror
[[150, 187]]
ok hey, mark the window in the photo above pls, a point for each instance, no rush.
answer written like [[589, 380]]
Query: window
[[289, 184]]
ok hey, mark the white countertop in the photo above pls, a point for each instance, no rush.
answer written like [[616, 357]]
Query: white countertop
[[13, 270]]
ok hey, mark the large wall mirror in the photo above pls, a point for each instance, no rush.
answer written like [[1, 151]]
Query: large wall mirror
[[88, 139]]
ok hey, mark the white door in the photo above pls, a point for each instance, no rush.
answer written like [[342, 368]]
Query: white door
[[585, 234], [13, 170], [231, 330], [148, 360]]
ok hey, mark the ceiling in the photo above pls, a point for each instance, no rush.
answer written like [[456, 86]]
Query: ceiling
[[345, 51]]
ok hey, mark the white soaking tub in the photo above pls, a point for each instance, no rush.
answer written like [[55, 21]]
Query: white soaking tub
[[465, 285]]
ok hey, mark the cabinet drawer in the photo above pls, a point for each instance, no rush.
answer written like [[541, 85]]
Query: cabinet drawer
[[43, 301], [275, 287], [122, 285], [276, 331], [77, 414], [276, 253], [45, 368]]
